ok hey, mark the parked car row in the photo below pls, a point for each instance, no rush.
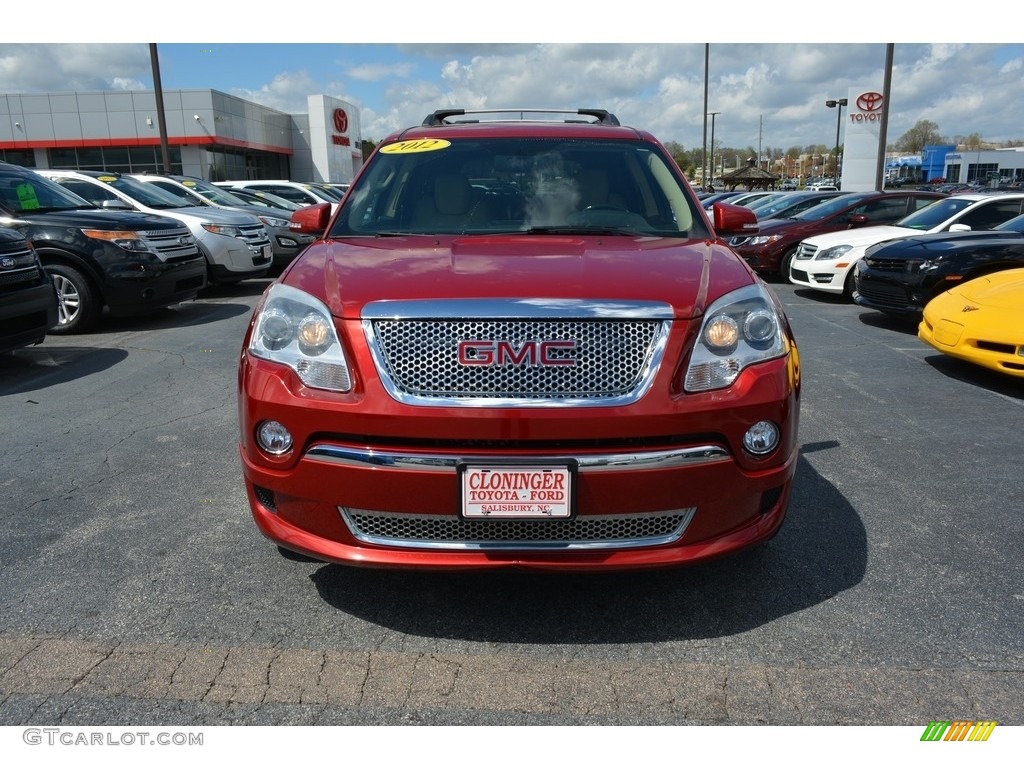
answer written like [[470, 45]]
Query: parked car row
[[955, 265], [826, 262], [130, 262], [127, 243], [773, 248]]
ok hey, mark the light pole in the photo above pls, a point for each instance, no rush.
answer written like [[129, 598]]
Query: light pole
[[840, 103], [706, 182]]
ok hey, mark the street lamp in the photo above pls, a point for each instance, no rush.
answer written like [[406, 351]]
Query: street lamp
[[840, 103], [706, 182]]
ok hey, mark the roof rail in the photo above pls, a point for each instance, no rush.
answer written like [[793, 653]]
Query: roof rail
[[440, 116]]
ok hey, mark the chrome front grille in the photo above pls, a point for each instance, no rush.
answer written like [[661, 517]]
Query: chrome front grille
[[18, 266], [806, 251], [612, 359], [175, 244], [255, 235], [449, 532]]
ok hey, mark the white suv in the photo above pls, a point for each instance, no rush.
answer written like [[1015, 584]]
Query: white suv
[[826, 262], [235, 244]]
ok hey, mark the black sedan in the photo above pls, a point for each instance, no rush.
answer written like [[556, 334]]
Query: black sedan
[[899, 277]]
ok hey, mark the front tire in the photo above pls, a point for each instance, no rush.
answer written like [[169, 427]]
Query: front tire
[[784, 263], [78, 301], [848, 286]]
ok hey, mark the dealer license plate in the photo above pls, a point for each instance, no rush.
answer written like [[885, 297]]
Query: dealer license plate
[[530, 491]]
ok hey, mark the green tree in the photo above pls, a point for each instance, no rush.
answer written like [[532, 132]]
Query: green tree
[[367, 147], [914, 141]]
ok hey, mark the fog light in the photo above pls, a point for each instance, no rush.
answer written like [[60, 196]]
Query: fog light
[[761, 438], [274, 438]]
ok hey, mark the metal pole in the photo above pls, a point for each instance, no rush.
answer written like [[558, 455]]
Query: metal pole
[[839, 104], [158, 93], [886, 90], [704, 151], [712, 166]]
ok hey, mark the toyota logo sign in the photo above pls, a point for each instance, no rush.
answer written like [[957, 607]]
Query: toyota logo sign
[[869, 103], [340, 121]]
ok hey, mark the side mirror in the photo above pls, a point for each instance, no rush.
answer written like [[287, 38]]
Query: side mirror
[[311, 220], [733, 220]]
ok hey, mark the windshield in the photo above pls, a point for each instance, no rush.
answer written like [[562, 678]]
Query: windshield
[[835, 205], [502, 185], [213, 193], [267, 200], [790, 204], [1013, 225], [935, 214], [31, 193], [144, 193], [332, 192]]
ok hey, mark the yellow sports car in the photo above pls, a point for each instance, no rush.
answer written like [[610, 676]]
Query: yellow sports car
[[980, 321]]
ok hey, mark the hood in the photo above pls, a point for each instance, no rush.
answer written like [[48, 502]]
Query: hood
[[99, 218], [1000, 290], [918, 246], [216, 215], [860, 236], [257, 211], [686, 274]]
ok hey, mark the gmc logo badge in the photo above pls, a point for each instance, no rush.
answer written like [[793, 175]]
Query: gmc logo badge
[[507, 353]]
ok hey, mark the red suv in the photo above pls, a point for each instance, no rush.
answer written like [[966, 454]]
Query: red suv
[[773, 248], [519, 343]]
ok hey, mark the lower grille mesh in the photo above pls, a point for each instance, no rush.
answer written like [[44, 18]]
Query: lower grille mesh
[[436, 531]]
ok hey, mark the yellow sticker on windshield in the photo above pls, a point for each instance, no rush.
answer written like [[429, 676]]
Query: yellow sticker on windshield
[[107, 179], [415, 145], [188, 183]]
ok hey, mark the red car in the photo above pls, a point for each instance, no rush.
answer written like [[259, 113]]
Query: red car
[[519, 342]]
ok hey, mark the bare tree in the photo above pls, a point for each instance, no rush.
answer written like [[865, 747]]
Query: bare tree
[[923, 133]]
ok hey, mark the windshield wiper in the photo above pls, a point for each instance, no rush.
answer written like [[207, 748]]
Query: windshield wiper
[[576, 229]]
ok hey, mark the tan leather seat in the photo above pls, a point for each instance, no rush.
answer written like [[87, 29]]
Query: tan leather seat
[[595, 190], [453, 206]]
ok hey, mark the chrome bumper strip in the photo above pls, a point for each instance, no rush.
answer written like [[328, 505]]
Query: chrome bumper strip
[[433, 462]]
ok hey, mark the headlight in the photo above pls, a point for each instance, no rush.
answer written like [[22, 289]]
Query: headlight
[[764, 239], [927, 265], [740, 329], [271, 221], [228, 230], [833, 253], [128, 240], [295, 329]]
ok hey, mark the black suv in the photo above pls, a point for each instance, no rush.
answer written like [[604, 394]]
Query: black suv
[[131, 263], [28, 303]]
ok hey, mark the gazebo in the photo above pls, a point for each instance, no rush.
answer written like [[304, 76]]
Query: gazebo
[[750, 176]]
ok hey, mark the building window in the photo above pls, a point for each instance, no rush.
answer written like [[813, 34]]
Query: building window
[[120, 159], [22, 157]]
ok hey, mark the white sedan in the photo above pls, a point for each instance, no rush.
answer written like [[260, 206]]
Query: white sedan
[[826, 262]]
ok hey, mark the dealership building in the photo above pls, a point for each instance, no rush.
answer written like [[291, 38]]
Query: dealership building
[[210, 135]]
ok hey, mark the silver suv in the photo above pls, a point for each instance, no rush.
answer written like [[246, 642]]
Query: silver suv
[[286, 244], [235, 244]]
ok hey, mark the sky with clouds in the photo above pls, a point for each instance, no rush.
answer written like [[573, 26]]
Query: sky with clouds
[[766, 94]]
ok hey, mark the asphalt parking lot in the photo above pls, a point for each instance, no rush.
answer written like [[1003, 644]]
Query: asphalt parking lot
[[134, 587]]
